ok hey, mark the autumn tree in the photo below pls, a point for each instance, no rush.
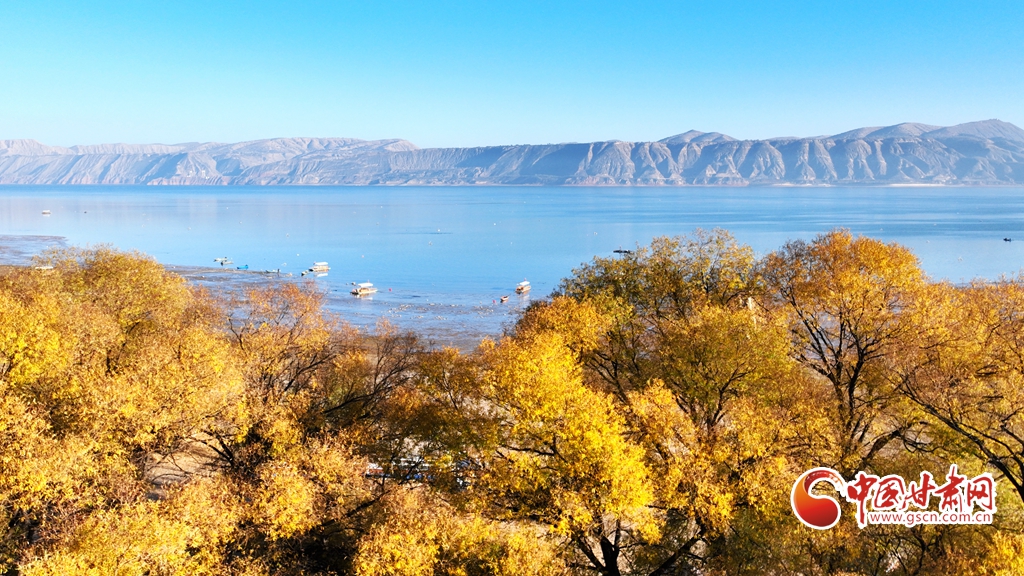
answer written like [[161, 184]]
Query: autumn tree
[[864, 320], [649, 419], [852, 305], [704, 386], [108, 364], [646, 290], [969, 375], [418, 534]]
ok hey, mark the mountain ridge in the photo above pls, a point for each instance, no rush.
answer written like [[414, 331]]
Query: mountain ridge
[[989, 152]]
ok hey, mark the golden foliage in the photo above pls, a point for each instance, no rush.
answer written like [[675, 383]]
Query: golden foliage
[[420, 536], [561, 451], [649, 419]]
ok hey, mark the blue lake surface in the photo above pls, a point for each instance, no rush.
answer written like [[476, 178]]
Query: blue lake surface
[[442, 256]]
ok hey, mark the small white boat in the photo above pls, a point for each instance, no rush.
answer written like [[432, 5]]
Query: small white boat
[[504, 299], [318, 268], [523, 287], [46, 212], [364, 289]]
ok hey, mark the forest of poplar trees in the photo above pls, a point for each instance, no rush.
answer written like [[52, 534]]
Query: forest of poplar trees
[[649, 419]]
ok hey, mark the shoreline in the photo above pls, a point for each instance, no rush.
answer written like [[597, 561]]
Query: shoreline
[[437, 323]]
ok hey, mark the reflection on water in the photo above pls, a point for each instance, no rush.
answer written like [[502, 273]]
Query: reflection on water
[[443, 256]]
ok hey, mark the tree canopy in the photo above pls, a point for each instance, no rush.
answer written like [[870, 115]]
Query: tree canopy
[[649, 418]]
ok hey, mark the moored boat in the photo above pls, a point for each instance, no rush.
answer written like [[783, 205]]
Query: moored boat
[[318, 268], [523, 287], [364, 289]]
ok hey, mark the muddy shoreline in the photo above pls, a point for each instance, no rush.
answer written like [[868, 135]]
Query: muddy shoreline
[[437, 322]]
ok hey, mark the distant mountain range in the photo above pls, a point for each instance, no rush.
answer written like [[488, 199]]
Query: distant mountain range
[[990, 152]]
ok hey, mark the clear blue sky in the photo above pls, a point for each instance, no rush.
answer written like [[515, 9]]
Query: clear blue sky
[[476, 72]]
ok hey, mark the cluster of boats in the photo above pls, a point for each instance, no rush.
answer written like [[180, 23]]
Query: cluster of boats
[[224, 261], [360, 289], [521, 288], [318, 268], [367, 288]]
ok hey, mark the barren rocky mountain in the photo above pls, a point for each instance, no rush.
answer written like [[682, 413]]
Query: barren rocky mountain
[[990, 152]]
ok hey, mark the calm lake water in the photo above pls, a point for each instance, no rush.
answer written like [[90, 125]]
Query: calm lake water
[[442, 256]]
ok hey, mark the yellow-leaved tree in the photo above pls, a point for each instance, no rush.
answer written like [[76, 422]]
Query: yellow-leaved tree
[[709, 392], [648, 419], [108, 366]]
